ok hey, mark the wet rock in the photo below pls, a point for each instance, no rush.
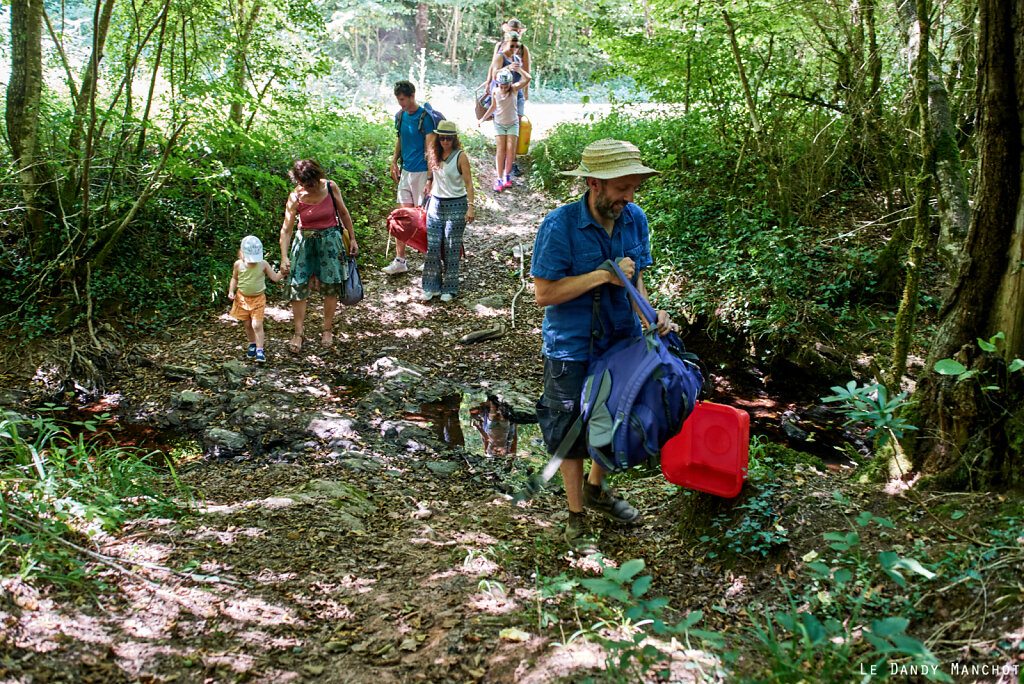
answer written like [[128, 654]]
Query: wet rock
[[443, 467], [396, 370], [220, 443], [12, 397], [234, 372], [393, 429], [494, 301], [176, 372], [791, 430], [360, 465], [24, 428], [517, 407], [268, 415], [209, 382], [331, 426], [351, 504], [186, 400], [237, 400]]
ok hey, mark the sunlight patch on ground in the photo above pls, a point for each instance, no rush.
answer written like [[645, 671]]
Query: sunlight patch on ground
[[492, 603], [259, 611], [357, 585], [230, 535], [268, 576], [412, 333], [562, 661], [236, 661]]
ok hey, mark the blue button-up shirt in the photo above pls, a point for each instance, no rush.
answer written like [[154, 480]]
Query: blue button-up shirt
[[570, 242]]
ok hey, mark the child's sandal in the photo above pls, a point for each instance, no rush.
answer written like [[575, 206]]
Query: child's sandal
[[295, 347]]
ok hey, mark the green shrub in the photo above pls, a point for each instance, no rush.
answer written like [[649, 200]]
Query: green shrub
[[719, 233], [59, 485]]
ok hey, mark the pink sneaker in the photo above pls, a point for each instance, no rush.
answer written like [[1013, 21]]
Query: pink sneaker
[[498, 185], [507, 184]]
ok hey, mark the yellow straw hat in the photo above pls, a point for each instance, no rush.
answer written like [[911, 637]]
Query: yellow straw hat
[[606, 159], [447, 127]]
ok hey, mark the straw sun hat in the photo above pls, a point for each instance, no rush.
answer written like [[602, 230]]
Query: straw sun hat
[[446, 127], [607, 159]]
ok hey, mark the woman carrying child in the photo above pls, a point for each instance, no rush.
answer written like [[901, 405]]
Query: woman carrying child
[[316, 257], [246, 291], [450, 209], [506, 122]]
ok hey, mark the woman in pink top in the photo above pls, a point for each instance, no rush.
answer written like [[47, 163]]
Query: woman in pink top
[[506, 122], [316, 258]]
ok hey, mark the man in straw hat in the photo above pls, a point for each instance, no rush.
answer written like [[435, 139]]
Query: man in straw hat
[[572, 242]]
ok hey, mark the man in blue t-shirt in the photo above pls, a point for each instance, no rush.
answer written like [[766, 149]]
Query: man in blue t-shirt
[[414, 148], [572, 243]]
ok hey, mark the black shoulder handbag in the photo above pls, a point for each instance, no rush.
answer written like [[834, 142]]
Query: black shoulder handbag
[[353, 293]]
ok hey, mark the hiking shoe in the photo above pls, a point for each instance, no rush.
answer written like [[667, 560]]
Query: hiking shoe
[[608, 503], [427, 295], [498, 185], [507, 184], [260, 356], [515, 170], [251, 354], [396, 266], [578, 534], [446, 297]]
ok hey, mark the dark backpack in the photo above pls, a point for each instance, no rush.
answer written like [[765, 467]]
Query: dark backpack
[[437, 117], [635, 397]]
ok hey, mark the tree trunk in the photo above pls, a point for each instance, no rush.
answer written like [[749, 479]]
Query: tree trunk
[[422, 26], [970, 437], [24, 92], [747, 95], [951, 188], [908, 306], [244, 20], [73, 187], [141, 145]]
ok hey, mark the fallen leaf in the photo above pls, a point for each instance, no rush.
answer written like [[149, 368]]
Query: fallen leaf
[[513, 634]]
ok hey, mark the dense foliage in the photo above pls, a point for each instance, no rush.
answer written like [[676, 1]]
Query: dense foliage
[[723, 250]]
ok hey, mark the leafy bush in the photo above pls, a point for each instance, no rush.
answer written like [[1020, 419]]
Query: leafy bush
[[59, 486], [176, 256], [718, 232]]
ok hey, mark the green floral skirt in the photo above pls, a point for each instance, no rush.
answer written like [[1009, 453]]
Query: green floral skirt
[[321, 255]]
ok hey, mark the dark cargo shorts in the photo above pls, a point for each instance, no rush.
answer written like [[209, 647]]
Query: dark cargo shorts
[[559, 405]]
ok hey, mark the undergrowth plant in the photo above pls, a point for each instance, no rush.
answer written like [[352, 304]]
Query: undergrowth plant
[[632, 628], [59, 487], [841, 624]]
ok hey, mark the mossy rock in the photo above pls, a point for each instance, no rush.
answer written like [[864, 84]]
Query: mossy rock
[[785, 458]]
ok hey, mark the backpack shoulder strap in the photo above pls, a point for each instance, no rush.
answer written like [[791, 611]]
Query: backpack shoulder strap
[[398, 121]]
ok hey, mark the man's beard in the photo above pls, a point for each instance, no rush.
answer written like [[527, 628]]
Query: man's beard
[[608, 209]]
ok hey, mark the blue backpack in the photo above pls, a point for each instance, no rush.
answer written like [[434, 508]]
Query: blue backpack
[[635, 397], [437, 117]]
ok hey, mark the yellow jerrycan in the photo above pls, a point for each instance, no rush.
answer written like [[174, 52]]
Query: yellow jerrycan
[[525, 128]]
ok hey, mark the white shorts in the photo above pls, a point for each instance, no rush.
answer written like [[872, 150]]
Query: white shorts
[[411, 185]]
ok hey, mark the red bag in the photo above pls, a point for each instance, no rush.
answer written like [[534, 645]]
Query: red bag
[[409, 224]]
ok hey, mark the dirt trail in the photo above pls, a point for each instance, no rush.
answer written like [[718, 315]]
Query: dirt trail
[[349, 555], [340, 538]]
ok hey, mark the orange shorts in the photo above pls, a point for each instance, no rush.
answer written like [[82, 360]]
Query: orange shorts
[[248, 307]]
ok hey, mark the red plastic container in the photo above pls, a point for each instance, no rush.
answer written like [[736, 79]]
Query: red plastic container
[[711, 452]]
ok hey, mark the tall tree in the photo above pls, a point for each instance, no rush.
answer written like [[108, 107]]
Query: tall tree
[[24, 95], [951, 186], [965, 439]]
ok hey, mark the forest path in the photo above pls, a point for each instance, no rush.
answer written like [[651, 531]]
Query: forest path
[[345, 535]]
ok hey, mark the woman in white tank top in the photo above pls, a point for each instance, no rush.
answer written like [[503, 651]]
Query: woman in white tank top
[[450, 209]]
